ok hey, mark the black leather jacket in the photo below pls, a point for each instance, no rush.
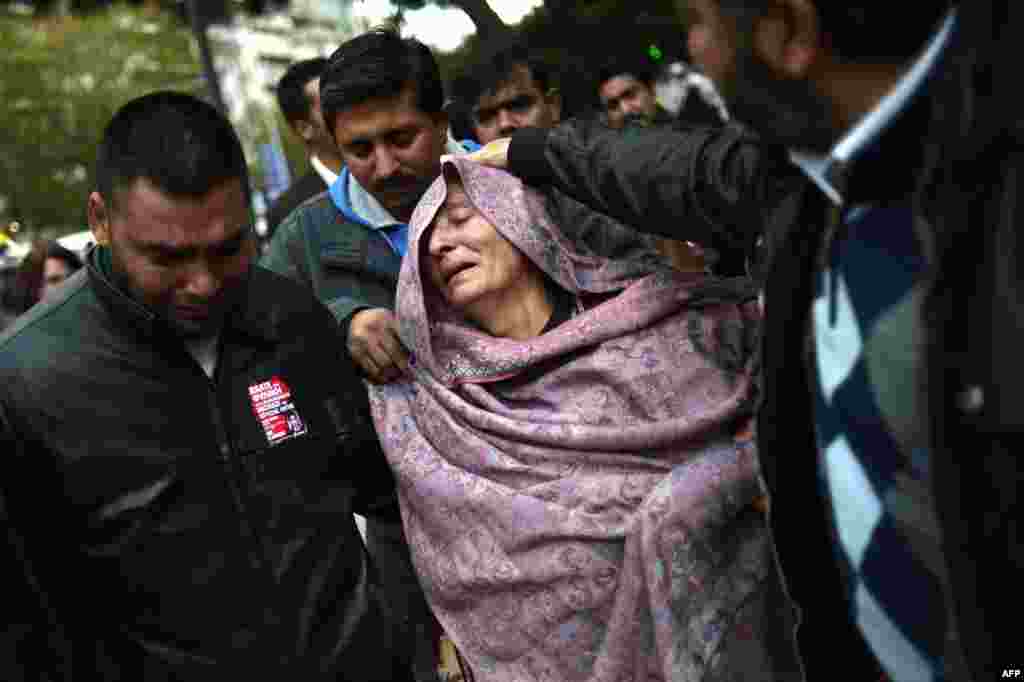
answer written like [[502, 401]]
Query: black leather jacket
[[152, 532]]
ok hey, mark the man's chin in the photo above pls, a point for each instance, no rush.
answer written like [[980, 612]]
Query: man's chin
[[195, 327], [405, 199]]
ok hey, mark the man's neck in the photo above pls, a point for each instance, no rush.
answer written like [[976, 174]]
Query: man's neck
[[867, 96], [855, 90]]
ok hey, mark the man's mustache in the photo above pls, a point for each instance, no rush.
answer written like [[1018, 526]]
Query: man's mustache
[[398, 183]]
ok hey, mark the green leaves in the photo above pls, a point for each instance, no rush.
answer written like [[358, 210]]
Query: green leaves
[[64, 77]]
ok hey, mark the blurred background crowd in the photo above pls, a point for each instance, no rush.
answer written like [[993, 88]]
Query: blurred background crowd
[[71, 63]]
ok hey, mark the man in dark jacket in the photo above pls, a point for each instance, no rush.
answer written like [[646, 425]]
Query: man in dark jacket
[[184, 444], [298, 94], [890, 426]]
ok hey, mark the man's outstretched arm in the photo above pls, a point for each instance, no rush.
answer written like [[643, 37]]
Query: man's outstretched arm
[[710, 186]]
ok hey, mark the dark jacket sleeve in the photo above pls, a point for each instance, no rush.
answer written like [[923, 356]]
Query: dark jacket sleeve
[[359, 456], [33, 643], [712, 186], [595, 232]]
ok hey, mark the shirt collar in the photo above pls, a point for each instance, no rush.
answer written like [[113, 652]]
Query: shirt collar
[[365, 205], [820, 169], [329, 177]]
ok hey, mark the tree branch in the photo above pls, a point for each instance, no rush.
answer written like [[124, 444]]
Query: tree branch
[[490, 28]]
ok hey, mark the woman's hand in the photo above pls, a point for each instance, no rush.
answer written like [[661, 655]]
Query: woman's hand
[[493, 154]]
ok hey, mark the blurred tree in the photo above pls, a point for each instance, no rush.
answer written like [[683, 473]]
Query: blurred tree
[[211, 10], [577, 35], [489, 26], [64, 77]]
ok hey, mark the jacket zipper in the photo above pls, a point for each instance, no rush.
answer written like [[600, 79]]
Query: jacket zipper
[[233, 473]]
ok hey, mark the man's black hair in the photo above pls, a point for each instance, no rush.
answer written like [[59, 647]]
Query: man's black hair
[[871, 31], [379, 64], [460, 118], [489, 75], [639, 69], [291, 89], [180, 144]]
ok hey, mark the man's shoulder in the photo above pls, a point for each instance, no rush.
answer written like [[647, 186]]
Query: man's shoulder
[[316, 213], [50, 318], [308, 185], [52, 333], [315, 208], [282, 301], [317, 222]]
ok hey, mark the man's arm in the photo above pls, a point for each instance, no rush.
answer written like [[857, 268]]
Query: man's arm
[[359, 456], [710, 186], [369, 329], [33, 643]]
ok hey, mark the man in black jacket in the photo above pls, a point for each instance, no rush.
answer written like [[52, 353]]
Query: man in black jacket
[[298, 95], [890, 424], [184, 441]]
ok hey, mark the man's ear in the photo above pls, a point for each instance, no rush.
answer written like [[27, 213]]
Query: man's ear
[[99, 218], [441, 124], [788, 37], [554, 98]]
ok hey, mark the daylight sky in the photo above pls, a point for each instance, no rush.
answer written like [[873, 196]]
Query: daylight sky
[[443, 29]]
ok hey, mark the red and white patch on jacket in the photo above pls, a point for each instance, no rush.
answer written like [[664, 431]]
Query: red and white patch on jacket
[[272, 404]]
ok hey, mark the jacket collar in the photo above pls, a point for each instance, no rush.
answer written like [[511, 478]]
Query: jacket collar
[[253, 315], [833, 173]]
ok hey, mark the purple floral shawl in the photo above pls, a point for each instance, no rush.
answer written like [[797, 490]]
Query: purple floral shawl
[[594, 523]]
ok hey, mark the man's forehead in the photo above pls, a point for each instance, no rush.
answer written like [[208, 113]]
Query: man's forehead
[[617, 84], [379, 116], [519, 82], [147, 212]]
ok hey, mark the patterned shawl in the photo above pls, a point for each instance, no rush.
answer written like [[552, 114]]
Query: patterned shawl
[[593, 522]]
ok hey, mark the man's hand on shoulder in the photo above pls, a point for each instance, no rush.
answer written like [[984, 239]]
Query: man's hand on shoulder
[[374, 345], [494, 154]]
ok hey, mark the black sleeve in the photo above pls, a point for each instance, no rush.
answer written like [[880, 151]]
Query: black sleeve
[[359, 451], [712, 186], [33, 645]]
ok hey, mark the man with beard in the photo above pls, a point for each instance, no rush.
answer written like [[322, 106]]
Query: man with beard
[[181, 441], [626, 92], [382, 101], [883, 195]]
